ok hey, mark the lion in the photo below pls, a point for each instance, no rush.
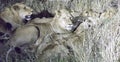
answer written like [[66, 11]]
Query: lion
[[62, 27], [16, 14], [60, 24]]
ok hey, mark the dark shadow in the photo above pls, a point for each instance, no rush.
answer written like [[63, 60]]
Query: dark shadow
[[18, 50], [42, 14]]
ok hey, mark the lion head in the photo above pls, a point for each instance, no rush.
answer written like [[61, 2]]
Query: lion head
[[16, 14], [24, 12], [63, 21]]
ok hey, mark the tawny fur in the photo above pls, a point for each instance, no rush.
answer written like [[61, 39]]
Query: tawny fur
[[15, 14]]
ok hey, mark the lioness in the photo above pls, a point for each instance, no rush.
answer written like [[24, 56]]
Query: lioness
[[16, 14]]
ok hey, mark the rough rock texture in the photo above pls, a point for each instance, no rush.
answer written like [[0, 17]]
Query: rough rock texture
[[97, 41]]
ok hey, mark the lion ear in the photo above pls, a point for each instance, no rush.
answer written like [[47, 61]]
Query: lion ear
[[15, 7]]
